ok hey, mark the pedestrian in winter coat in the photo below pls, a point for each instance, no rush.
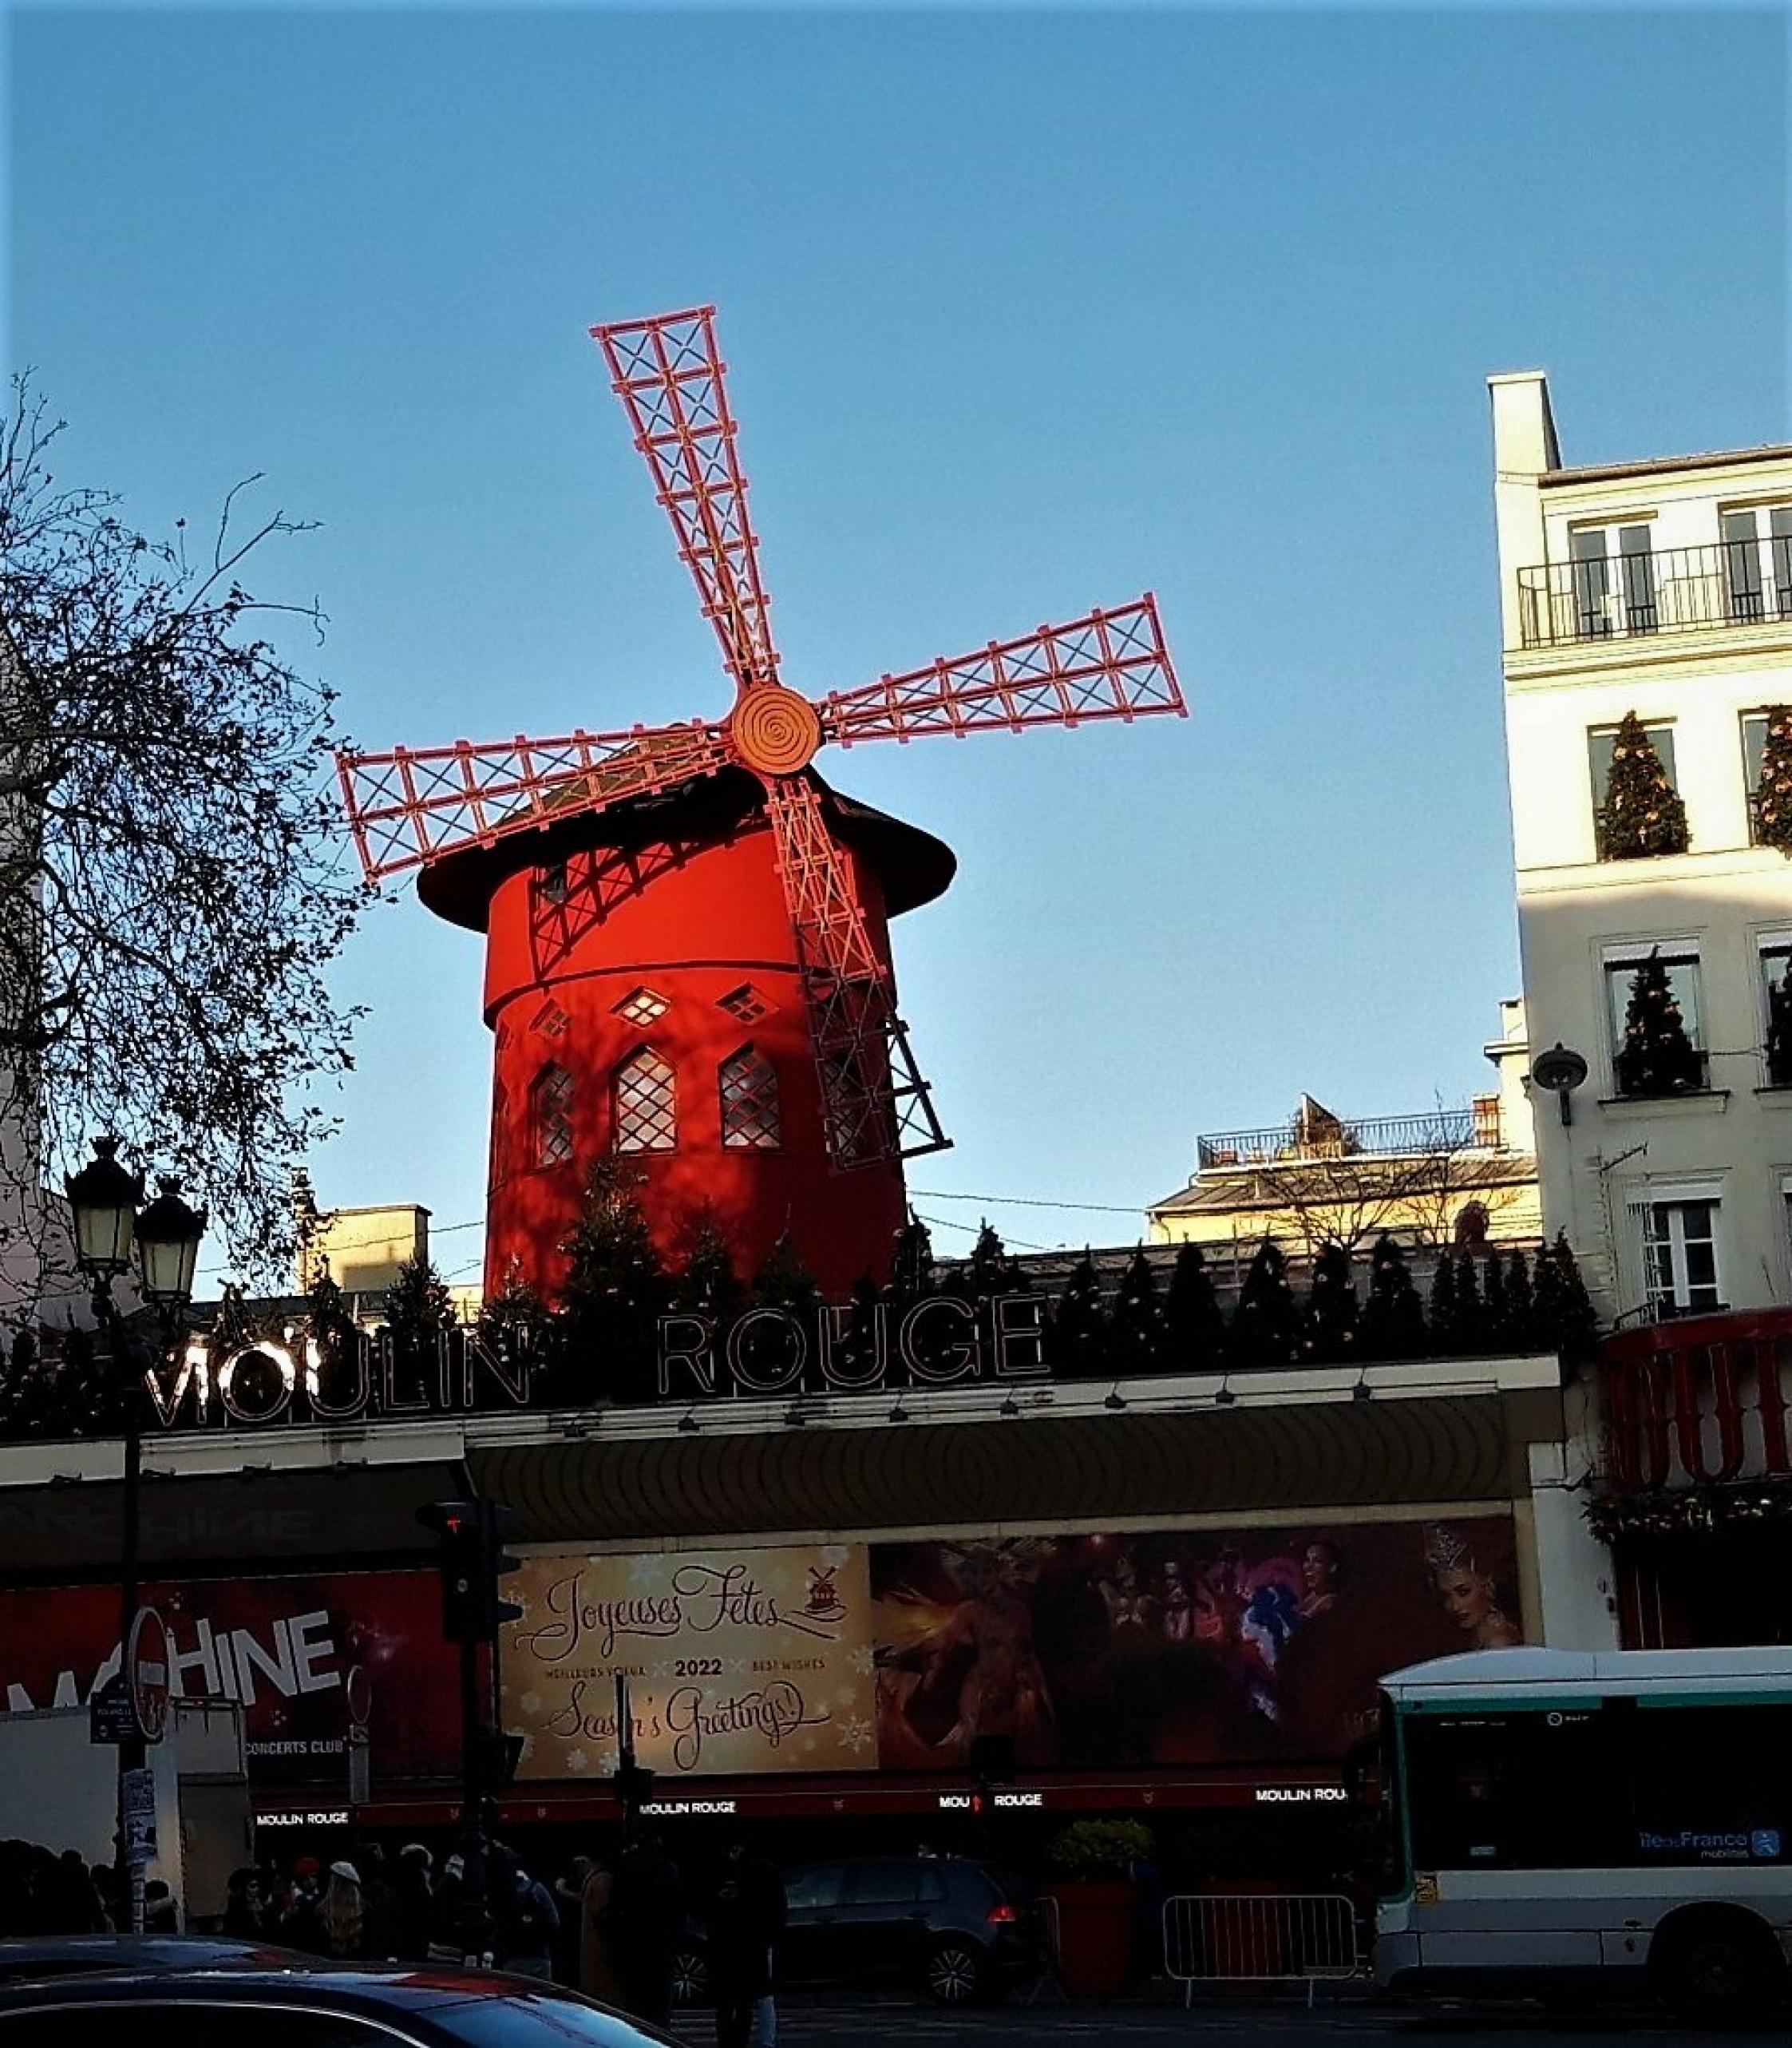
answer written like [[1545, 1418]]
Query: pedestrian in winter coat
[[531, 1920], [647, 1917], [567, 1889], [597, 1961], [745, 1920]]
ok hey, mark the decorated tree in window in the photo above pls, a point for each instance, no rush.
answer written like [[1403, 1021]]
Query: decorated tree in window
[[1266, 1325], [1195, 1333], [1657, 1057], [1076, 1340], [615, 1291], [1330, 1335], [1643, 813], [1139, 1330], [1779, 1028], [1393, 1321], [1773, 796]]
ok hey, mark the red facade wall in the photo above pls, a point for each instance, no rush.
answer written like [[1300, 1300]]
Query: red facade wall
[[692, 923]]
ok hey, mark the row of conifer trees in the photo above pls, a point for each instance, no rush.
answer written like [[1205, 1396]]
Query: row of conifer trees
[[599, 1343]]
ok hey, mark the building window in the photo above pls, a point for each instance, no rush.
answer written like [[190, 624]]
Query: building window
[[646, 1108], [748, 1102], [1601, 741], [1757, 563], [1614, 581], [1679, 1256], [550, 1116], [1776, 954], [551, 883], [1654, 1004]]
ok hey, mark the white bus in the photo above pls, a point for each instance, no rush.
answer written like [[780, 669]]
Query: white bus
[[1557, 1817]]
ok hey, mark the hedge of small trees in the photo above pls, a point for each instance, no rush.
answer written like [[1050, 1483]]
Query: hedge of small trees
[[599, 1343]]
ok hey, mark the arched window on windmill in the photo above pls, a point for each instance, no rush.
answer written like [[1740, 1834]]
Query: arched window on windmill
[[550, 1116], [749, 1118], [644, 1104]]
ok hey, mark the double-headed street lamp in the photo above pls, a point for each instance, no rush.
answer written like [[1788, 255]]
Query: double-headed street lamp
[[103, 1198]]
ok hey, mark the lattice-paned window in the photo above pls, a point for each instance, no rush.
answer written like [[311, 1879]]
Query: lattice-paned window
[[551, 883], [746, 1003], [644, 1006], [749, 1102], [550, 1116], [645, 1108]]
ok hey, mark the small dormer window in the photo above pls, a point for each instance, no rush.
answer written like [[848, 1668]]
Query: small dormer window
[[641, 1007]]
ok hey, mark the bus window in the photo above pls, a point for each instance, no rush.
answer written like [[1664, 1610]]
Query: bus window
[[1710, 1785], [1465, 1794], [1536, 1790]]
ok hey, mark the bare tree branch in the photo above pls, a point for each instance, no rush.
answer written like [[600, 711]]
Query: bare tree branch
[[172, 883]]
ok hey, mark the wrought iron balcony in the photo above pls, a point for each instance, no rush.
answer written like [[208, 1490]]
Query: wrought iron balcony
[[1729, 583], [1337, 1137]]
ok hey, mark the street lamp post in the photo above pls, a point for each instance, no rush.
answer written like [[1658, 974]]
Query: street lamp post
[[103, 1198]]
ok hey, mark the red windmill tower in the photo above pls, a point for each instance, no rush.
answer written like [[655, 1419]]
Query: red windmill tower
[[688, 957]]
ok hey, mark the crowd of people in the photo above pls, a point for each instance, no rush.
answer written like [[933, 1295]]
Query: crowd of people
[[613, 1930]]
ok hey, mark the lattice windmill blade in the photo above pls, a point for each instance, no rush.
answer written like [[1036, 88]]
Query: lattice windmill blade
[[875, 1104], [1108, 665], [669, 375], [414, 805]]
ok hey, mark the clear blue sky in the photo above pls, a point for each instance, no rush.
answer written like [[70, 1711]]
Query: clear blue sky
[[1025, 311]]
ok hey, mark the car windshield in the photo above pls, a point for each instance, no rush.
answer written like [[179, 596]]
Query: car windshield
[[525, 2020]]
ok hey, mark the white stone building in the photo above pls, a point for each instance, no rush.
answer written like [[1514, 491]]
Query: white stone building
[[1663, 587]]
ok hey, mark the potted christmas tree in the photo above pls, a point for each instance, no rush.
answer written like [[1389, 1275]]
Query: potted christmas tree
[[1657, 1057], [1773, 793], [1093, 1862], [1644, 815]]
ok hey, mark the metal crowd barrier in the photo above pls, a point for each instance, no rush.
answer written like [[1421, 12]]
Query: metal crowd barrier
[[1232, 1938], [1048, 1985]]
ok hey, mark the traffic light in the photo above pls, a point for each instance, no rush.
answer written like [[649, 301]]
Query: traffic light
[[634, 1784], [498, 1755], [472, 1561], [992, 1761]]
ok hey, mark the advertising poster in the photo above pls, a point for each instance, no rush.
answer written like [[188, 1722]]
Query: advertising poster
[[740, 1661], [1184, 1647], [282, 1647]]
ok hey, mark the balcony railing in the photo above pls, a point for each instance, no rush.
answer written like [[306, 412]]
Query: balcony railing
[[1335, 1138], [1674, 590]]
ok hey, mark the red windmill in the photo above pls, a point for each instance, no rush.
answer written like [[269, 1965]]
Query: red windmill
[[688, 955]]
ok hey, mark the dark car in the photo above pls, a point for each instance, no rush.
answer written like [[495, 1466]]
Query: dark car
[[959, 1930], [74, 1956], [307, 2009]]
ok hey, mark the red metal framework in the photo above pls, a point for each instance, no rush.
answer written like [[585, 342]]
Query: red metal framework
[[409, 808]]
